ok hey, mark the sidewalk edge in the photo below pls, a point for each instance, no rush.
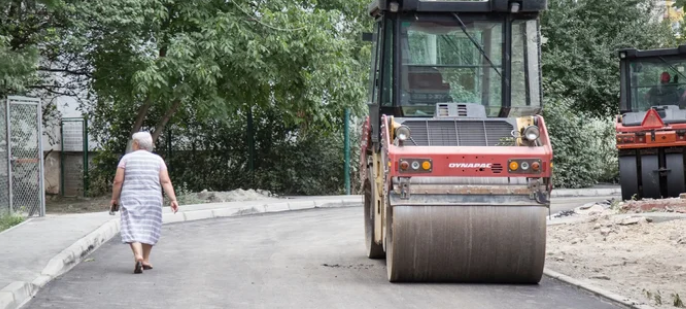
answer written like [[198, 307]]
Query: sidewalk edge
[[18, 293], [596, 290], [586, 192]]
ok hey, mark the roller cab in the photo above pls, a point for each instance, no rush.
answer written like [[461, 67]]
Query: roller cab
[[651, 127], [456, 160]]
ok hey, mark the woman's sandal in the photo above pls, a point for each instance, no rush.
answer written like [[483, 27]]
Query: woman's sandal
[[147, 267], [139, 268]]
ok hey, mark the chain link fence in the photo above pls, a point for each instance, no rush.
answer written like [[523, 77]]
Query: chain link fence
[[21, 157]]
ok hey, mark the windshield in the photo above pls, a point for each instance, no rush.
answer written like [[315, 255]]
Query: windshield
[[657, 81], [444, 62]]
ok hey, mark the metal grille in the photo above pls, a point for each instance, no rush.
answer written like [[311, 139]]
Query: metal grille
[[23, 159], [74, 157], [458, 133]]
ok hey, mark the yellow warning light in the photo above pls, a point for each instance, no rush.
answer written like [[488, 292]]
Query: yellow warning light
[[426, 165], [514, 165]]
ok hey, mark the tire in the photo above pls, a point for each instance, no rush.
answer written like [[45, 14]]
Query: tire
[[374, 250], [628, 177]]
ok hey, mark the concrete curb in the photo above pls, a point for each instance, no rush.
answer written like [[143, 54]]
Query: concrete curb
[[586, 192], [556, 193], [18, 293], [597, 291]]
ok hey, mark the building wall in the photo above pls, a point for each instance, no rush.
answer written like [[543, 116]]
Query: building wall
[[73, 146]]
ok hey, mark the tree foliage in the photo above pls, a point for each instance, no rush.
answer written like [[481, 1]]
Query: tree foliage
[[199, 68], [581, 80], [217, 58], [580, 59], [203, 67]]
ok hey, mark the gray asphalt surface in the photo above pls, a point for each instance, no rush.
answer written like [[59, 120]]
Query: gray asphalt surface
[[302, 259]]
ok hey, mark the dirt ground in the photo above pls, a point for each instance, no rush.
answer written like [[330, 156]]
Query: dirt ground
[[630, 255], [67, 205]]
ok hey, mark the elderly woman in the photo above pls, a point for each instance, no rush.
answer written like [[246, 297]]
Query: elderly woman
[[141, 176]]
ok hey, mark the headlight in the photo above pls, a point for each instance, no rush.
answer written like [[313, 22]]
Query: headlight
[[531, 133], [402, 133]]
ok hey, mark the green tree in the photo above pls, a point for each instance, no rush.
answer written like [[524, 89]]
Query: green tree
[[217, 58], [580, 56]]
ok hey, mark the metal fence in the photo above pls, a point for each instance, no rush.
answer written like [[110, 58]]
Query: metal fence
[[21, 157], [74, 156]]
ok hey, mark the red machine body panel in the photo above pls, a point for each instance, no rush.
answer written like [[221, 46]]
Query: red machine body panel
[[466, 161], [650, 136]]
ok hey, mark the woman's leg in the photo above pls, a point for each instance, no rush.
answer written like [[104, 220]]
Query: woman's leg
[[138, 256], [146, 255], [137, 251]]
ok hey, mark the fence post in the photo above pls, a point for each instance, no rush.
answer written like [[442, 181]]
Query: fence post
[[169, 149], [85, 156], [251, 145], [41, 164], [347, 150], [9, 154], [62, 157]]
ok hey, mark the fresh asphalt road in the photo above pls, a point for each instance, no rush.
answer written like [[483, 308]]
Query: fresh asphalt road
[[300, 259]]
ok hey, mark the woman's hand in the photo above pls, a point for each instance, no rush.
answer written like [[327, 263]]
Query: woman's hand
[[175, 206], [113, 202]]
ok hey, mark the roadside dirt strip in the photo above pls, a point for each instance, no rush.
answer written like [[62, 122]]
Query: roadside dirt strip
[[635, 249]]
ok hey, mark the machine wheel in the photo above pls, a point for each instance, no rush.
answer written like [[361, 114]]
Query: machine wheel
[[479, 244], [628, 177], [650, 177], [675, 178], [374, 250]]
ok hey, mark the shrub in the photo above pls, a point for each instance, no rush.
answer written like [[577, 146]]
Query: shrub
[[583, 147], [8, 220]]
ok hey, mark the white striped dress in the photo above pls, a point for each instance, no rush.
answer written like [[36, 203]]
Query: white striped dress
[[141, 197]]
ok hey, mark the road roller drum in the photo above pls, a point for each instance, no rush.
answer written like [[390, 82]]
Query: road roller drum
[[488, 244]]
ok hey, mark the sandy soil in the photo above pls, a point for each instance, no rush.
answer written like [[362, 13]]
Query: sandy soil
[[633, 256]]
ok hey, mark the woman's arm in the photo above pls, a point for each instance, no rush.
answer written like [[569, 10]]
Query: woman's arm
[[167, 185], [116, 186]]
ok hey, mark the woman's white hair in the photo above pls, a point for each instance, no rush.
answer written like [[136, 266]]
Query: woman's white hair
[[144, 140]]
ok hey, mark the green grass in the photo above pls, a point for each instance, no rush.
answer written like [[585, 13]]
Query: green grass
[[9, 220]]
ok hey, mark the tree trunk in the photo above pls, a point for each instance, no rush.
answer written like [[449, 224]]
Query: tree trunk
[[140, 117], [159, 127]]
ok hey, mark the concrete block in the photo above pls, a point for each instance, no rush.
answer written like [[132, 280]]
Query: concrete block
[[54, 266], [173, 218], [249, 210], [41, 281], [224, 212], [302, 205], [198, 215], [7, 300], [21, 292], [276, 207]]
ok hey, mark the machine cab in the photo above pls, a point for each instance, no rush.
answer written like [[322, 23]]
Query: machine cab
[[653, 79], [486, 58]]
